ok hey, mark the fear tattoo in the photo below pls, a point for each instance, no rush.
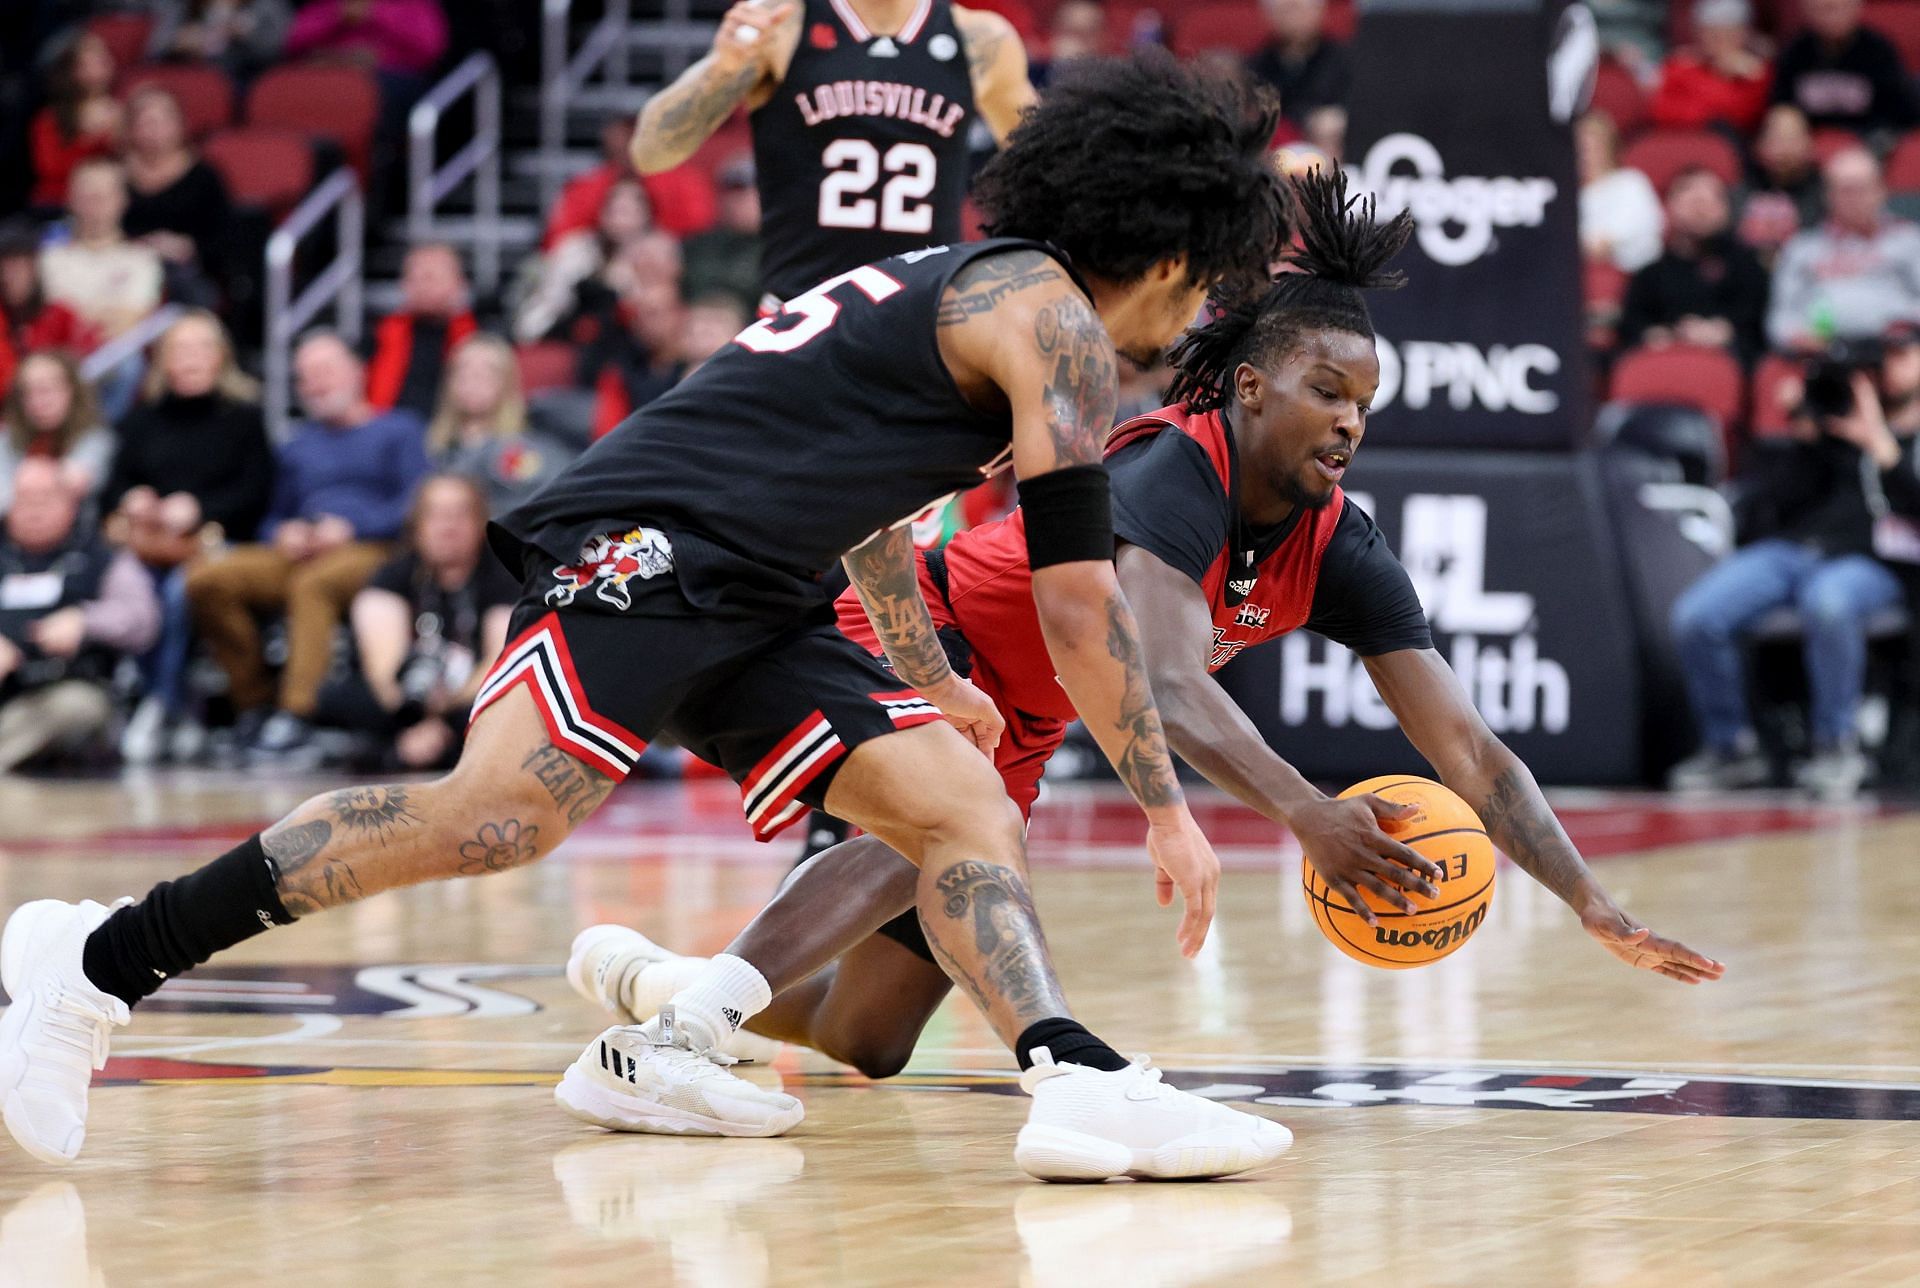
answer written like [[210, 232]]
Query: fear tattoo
[[305, 883], [576, 789], [499, 846], [1009, 963], [1144, 764], [373, 811]]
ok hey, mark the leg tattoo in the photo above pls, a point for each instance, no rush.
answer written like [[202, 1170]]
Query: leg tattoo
[[373, 811], [1012, 966], [305, 884], [576, 789], [499, 846]]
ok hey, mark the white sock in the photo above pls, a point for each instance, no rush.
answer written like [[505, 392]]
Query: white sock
[[726, 993], [646, 990]]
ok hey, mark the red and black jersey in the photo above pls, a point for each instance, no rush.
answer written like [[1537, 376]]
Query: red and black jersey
[[862, 151], [1174, 483]]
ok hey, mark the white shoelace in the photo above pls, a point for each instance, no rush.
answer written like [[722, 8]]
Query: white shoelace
[[76, 1021]]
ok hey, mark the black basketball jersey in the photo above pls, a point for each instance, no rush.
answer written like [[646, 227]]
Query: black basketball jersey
[[862, 151], [813, 430]]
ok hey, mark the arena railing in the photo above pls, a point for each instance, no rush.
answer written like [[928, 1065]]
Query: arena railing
[[430, 184], [564, 74], [129, 345], [341, 283]]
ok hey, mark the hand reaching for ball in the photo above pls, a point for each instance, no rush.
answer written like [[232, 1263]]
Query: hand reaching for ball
[[1639, 947]]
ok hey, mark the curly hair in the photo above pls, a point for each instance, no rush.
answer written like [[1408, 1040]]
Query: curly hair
[[1342, 253], [1131, 161]]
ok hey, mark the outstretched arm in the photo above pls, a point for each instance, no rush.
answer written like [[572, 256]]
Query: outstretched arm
[[997, 60], [1207, 728], [753, 42], [1422, 692], [886, 574]]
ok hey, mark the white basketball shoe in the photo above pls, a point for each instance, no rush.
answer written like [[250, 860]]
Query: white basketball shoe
[[609, 967], [54, 1035], [1092, 1125], [636, 1078]]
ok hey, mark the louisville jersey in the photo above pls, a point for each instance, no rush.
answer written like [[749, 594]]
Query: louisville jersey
[[1174, 480], [810, 432], [862, 150]]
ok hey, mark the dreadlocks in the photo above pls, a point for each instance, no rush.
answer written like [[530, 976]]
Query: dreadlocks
[[1342, 253]]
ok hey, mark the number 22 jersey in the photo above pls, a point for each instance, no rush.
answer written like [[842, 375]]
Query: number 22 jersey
[[813, 430], [862, 150]]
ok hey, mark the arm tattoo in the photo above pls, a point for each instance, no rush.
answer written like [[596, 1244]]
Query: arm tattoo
[[887, 577], [981, 285], [1520, 822], [576, 788], [983, 40], [682, 117], [305, 884], [1144, 765], [373, 811], [499, 846], [1006, 961], [1083, 391]]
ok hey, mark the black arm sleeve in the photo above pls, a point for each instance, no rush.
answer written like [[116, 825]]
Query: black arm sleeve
[[1168, 500], [1364, 598]]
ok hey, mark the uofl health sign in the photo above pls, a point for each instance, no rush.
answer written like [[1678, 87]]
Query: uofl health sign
[[1461, 115]]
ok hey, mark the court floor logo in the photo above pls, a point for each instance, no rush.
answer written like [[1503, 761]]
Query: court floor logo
[[410, 991]]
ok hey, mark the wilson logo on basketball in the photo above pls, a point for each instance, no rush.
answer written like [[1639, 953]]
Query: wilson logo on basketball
[[1447, 936]]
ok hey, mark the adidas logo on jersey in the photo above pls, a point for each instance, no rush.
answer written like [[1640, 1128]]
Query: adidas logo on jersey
[[1242, 587]]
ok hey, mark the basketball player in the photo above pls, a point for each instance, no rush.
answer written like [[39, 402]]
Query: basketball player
[[860, 115], [672, 585], [1233, 530]]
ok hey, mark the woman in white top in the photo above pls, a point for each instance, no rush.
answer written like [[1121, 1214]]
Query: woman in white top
[[1620, 215]]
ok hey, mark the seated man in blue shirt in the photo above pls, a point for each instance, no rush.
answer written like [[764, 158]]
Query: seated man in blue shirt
[[345, 482]]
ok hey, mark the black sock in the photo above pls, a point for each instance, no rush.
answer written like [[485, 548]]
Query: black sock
[[1067, 1041], [182, 923]]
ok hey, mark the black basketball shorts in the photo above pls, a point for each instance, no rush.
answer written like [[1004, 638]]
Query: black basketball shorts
[[614, 656]]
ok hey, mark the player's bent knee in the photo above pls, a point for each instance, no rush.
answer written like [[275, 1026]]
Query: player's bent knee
[[879, 1059]]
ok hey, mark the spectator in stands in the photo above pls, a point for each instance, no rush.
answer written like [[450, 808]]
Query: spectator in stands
[[194, 471], [1719, 80], [1619, 211], [1706, 288], [1854, 274], [402, 40], [480, 430], [50, 413], [631, 365], [410, 347], [681, 199], [1844, 75], [244, 37], [1633, 32], [552, 285], [426, 629], [341, 495], [28, 320], [1783, 182], [81, 120], [1078, 30], [601, 307], [727, 256], [712, 320], [1809, 510], [1310, 71], [109, 281], [69, 609], [177, 204]]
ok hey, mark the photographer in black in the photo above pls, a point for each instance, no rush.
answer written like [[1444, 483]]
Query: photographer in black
[[425, 630], [1809, 510]]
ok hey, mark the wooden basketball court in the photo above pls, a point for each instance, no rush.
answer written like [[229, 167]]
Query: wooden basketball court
[[365, 1099]]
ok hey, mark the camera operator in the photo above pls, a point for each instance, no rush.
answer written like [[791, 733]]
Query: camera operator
[[1809, 506], [425, 630]]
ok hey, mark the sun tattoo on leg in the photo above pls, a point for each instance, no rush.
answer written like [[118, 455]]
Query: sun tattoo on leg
[[374, 811]]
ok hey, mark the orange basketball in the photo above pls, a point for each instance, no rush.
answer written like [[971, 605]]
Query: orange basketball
[[1445, 831]]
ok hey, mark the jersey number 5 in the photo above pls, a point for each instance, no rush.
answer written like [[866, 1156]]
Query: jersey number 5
[[806, 317], [855, 167]]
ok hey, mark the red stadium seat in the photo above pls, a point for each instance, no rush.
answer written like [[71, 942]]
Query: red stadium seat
[[1342, 17], [1661, 154], [1605, 289], [204, 92], [125, 34], [1898, 21], [1903, 166], [1688, 374], [1769, 418], [327, 101], [1829, 142], [550, 364], [1619, 95], [1237, 28], [262, 166]]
